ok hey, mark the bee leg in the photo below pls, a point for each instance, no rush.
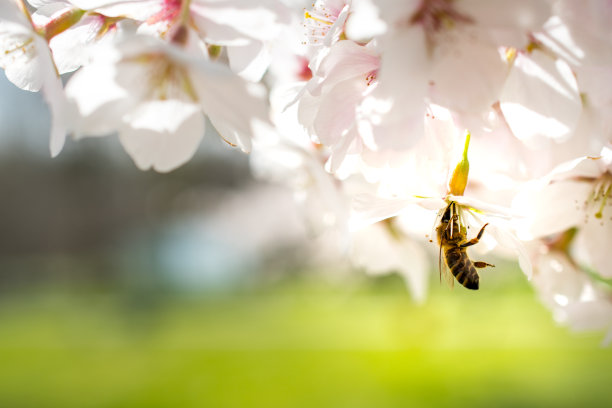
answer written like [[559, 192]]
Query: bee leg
[[480, 264], [474, 240]]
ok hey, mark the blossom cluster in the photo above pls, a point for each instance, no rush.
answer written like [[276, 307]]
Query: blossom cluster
[[361, 108]]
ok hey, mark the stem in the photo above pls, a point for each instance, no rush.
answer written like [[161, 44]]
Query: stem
[[62, 23], [24, 9], [185, 14]]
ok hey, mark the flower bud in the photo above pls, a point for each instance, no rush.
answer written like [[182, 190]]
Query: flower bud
[[459, 180]]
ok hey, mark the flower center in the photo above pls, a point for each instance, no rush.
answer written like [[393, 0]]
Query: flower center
[[601, 193], [166, 79], [371, 77], [303, 73], [107, 24], [318, 22], [26, 47], [435, 15], [169, 11]]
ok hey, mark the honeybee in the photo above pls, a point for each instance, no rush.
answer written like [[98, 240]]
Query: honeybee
[[452, 237]]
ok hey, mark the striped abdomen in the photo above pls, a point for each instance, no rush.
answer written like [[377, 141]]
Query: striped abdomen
[[461, 267]]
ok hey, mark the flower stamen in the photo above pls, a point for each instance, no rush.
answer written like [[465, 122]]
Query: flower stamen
[[602, 193], [371, 77], [318, 23]]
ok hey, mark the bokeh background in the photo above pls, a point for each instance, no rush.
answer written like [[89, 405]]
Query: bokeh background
[[198, 288]]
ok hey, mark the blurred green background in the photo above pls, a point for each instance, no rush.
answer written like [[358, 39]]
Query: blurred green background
[[120, 288], [296, 342]]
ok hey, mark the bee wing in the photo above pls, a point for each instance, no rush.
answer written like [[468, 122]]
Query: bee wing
[[443, 270]]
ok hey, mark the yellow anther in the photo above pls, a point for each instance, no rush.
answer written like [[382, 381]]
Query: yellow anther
[[510, 54], [308, 15]]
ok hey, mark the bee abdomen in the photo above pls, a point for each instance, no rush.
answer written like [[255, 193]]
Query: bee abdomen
[[462, 268]]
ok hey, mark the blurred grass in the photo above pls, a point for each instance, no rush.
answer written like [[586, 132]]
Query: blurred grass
[[296, 343]]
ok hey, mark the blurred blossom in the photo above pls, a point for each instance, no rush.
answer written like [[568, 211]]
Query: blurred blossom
[[576, 194], [573, 296], [380, 250]]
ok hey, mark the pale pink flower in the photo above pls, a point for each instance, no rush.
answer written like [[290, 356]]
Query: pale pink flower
[[575, 299], [446, 53], [329, 107], [154, 94], [243, 27], [324, 26], [576, 194], [473, 212]]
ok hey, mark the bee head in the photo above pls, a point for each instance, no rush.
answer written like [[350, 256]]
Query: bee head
[[447, 213]]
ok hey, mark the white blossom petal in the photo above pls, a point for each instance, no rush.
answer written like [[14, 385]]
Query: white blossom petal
[[541, 99], [162, 135], [552, 208], [482, 71], [250, 61], [368, 209], [228, 103], [378, 252], [22, 55], [508, 240], [336, 113]]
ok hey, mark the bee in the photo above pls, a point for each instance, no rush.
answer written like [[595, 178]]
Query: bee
[[452, 237]]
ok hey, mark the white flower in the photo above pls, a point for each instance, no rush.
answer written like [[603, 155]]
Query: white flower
[[323, 26], [27, 63], [569, 292], [154, 94], [472, 213], [330, 104], [379, 250], [578, 36], [575, 194], [445, 53], [541, 99], [73, 32], [397, 107], [24, 54]]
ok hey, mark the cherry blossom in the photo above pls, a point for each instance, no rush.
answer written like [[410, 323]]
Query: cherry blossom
[[28, 63], [241, 26], [575, 194], [573, 296], [472, 212], [72, 32], [331, 102], [154, 94], [324, 26], [382, 249]]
